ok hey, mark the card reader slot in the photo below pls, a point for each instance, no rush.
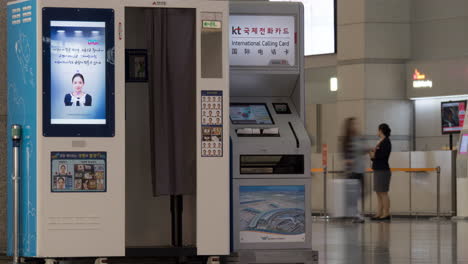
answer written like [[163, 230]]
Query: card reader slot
[[272, 164], [257, 135], [294, 133]]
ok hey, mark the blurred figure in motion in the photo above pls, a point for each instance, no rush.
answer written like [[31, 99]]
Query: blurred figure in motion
[[354, 154]]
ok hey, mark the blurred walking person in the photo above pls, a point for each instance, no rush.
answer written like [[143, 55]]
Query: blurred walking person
[[382, 173], [354, 153]]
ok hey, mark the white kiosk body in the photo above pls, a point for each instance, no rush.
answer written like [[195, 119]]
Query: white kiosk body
[[73, 156], [462, 173], [270, 146]]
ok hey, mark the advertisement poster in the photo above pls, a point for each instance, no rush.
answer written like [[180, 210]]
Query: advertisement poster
[[262, 40], [78, 72], [269, 214], [212, 123], [78, 172], [453, 115]]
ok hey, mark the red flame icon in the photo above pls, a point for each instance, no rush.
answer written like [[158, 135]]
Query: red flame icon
[[418, 76]]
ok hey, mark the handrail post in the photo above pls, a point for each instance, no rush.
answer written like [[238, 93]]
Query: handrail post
[[438, 195], [371, 186], [325, 209], [16, 138], [438, 192], [410, 194]]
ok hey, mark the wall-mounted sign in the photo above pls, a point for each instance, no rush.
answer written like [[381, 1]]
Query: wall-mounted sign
[[324, 155], [420, 80], [262, 40]]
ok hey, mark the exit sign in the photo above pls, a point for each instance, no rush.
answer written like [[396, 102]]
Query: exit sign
[[211, 24]]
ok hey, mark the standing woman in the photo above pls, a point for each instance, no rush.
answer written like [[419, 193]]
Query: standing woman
[[382, 173]]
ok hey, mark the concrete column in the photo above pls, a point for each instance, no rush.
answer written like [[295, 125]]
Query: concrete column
[[373, 45]]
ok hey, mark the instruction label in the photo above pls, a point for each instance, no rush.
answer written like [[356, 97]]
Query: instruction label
[[212, 123]]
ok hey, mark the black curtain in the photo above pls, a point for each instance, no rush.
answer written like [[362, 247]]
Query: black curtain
[[171, 40]]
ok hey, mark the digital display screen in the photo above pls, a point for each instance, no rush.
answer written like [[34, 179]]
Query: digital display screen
[[319, 24], [78, 72], [262, 40], [453, 115], [464, 144], [256, 114]]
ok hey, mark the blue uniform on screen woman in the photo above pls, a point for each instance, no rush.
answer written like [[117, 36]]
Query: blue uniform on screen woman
[[78, 97]]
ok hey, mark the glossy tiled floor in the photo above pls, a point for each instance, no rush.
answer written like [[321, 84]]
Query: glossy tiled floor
[[399, 241]]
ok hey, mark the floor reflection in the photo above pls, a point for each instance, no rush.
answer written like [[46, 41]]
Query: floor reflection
[[398, 241]]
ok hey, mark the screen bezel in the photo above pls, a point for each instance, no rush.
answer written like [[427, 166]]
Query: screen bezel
[[247, 123], [78, 130], [441, 116]]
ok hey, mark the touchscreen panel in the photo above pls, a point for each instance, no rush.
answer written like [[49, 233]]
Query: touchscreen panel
[[256, 114], [78, 72]]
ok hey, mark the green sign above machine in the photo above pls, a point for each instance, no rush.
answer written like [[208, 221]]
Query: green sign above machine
[[214, 24]]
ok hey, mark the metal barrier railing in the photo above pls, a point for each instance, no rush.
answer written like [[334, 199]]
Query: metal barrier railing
[[325, 172]]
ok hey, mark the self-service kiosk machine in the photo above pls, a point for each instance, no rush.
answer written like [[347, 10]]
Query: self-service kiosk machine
[[67, 90], [270, 146], [462, 174]]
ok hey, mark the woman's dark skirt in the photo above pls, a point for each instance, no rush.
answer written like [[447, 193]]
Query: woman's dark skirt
[[382, 180]]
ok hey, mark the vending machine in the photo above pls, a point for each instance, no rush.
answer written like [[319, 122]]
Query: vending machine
[[462, 174], [270, 146]]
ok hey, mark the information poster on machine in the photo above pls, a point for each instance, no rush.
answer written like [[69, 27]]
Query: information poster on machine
[[212, 123], [269, 214], [262, 40], [78, 172], [78, 72]]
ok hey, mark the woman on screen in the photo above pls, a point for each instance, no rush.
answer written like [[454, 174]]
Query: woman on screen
[[78, 97]]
